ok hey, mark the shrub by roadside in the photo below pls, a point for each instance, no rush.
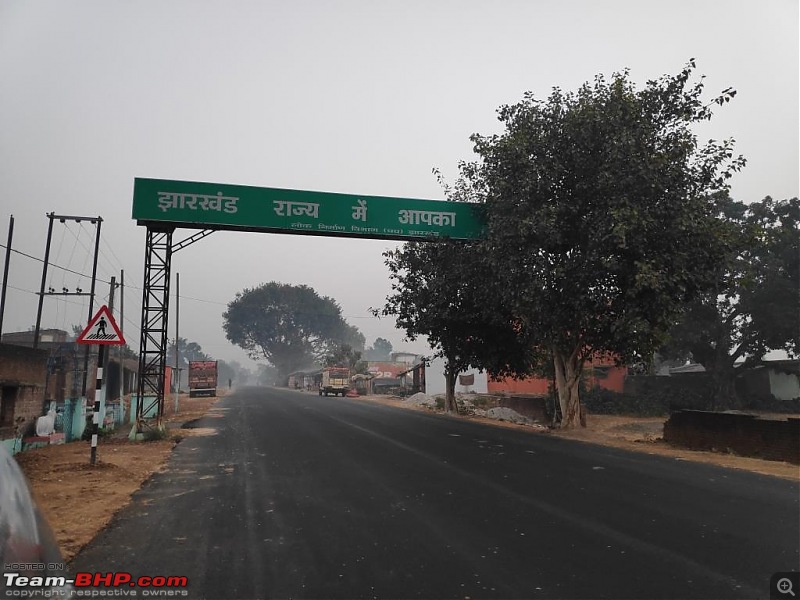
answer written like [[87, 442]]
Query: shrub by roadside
[[605, 402]]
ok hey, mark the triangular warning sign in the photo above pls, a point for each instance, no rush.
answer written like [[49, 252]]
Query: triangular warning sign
[[102, 329]]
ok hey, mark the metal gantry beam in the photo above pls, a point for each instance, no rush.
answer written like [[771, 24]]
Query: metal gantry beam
[[155, 311], [192, 239], [153, 340]]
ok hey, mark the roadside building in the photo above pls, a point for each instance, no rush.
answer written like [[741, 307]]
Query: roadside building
[[53, 375], [23, 373], [779, 379]]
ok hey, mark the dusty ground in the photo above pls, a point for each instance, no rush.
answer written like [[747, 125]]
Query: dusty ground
[[79, 500], [644, 435]]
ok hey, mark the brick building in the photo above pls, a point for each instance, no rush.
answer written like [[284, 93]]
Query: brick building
[[23, 374], [600, 371], [31, 379]]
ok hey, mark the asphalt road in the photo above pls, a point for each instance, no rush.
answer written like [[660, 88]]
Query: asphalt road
[[300, 496]]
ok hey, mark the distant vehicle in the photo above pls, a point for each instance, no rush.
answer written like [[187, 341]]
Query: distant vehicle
[[202, 378], [27, 545], [335, 380]]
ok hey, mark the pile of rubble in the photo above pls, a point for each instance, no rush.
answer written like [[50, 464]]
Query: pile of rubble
[[421, 399], [499, 413]]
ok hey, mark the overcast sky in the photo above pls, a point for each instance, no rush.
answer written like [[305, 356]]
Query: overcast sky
[[362, 97]]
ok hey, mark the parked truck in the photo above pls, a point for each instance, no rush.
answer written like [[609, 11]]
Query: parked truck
[[202, 378], [335, 380]]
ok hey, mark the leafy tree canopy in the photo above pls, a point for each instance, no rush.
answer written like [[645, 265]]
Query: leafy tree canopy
[[443, 290], [602, 215], [290, 326], [267, 375], [753, 306], [187, 351], [225, 372], [241, 374], [346, 356], [381, 349]]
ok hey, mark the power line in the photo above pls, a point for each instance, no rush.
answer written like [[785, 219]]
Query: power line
[[110, 249], [138, 289], [51, 264], [68, 301]]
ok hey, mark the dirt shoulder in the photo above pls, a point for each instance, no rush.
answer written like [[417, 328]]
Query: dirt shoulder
[[637, 434], [645, 435], [79, 500]]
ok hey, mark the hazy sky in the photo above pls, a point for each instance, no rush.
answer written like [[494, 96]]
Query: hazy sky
[[362, 97]]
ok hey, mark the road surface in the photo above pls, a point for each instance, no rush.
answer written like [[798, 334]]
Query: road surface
[[301, 496]]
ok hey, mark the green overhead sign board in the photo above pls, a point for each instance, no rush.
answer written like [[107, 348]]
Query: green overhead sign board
[[238, 207]]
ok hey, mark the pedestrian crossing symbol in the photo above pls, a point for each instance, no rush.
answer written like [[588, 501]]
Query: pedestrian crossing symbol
[[102, 329]]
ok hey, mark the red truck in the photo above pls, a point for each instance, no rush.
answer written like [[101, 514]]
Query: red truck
[[202, 378]]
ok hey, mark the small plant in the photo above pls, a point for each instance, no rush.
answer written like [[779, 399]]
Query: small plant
[[605, 402], [484, 402], [154, 435]]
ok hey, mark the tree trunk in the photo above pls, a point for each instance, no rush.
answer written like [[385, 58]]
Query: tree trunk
[[450, 376], [724, 388], [722, 374], [568, 380]]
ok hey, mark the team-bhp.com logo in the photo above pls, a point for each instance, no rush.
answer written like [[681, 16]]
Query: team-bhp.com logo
[[94, 585]]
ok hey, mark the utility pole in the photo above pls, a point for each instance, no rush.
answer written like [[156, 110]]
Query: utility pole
[[122, 330], [112, 290], [177, 352], [5, 272], [41, 291], [91, 298], [96, 221]]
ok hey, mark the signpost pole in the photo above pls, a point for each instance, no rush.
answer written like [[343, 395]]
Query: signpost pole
[[98, 390]]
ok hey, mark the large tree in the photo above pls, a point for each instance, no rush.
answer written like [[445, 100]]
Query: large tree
[[381, 349], [753, 306], [290, 326], [602, 215], [346, 356], [187, 351], [442, 290]]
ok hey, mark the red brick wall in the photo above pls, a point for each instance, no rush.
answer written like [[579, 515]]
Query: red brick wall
[[24, 370], [27, 409], [20, 365]]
